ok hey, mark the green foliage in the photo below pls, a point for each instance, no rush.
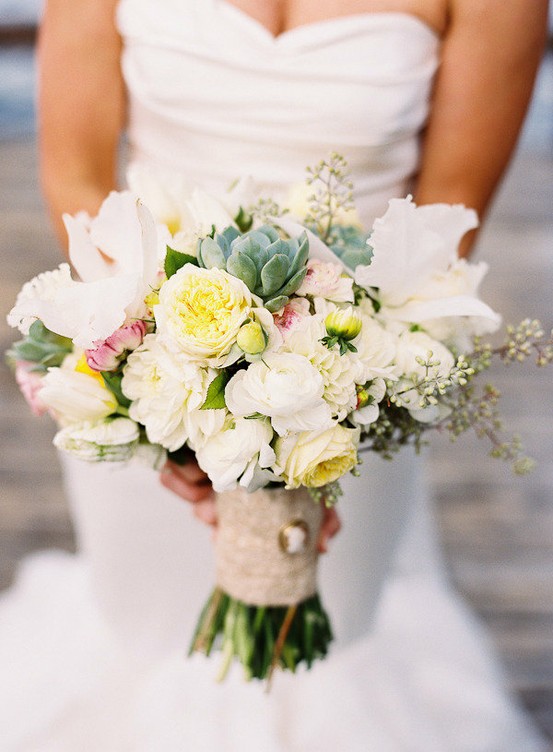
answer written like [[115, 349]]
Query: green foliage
[[262, 638], [112, 380], [271, 267], [42, 347], [175, 260], [215, 397]]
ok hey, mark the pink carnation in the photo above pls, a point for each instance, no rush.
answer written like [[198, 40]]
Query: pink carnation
[[107, 354], [327, 280], [30, 384]]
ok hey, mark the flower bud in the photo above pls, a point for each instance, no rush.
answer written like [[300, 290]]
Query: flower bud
[[251, 338], [343, 323], [106, 355], [106, 441]]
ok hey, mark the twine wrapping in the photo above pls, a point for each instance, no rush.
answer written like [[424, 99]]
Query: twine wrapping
[[251, 563]]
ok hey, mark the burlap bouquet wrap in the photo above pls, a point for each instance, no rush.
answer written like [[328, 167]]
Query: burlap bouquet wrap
[[266, 546]]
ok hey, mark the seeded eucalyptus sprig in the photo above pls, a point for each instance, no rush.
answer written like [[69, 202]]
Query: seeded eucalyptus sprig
[[332, 193]]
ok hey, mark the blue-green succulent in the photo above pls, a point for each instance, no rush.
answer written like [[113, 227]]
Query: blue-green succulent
[[271, 267]]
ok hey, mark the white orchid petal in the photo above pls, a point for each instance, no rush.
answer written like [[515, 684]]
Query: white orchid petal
[[417, 311], [410, 244], [83, 254]]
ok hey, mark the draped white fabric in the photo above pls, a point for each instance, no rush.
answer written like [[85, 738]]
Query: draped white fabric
[[92, 647]]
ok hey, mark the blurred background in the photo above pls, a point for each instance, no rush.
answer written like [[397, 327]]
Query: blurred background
[[497, 529]]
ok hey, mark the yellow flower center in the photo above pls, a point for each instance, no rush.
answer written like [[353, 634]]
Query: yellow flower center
[[82, 367]]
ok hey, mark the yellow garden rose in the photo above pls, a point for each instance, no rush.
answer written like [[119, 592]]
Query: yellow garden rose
[[315, 458], [200, 313]]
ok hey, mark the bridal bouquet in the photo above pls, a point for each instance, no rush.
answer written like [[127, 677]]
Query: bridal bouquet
[[272, 344]]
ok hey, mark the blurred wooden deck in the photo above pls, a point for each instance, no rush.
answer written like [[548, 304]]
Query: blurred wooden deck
[[497, 529]]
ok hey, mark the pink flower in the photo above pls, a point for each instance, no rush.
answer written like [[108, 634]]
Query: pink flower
[[30, 384], [107, 354], [326, 280], [291, 315]]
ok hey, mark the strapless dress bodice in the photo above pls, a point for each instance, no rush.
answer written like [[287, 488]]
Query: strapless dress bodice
[[214, 96]]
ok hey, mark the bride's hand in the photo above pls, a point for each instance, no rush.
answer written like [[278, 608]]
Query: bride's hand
[[192, 484]]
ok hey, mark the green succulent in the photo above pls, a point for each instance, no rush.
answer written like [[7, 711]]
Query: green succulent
[[271, 267]]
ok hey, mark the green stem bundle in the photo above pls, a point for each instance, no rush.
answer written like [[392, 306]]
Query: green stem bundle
[[262, 638]]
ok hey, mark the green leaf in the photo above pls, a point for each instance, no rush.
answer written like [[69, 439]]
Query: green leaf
[[301, 256], [112, 379], [175, 260], [41, 346], [275, 304], [240, 265], [215, 397], [293, 283], [243, 220], [274, 274], [211, 255]]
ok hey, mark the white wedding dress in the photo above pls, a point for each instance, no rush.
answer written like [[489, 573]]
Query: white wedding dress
[[93, 646]]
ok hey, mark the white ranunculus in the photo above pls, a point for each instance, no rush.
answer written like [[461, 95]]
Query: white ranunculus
[[200, 313], [44, 287], [376, 351], [285, 387], [108, 441], [236, 452], [74, 396], [315, 458], [326, 280], [167, 392], [340, 372]]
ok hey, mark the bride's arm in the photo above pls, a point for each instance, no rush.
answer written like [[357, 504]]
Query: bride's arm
[[81, 105], [489, 60]]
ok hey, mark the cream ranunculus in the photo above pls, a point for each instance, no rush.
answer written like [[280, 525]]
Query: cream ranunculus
[[285, 387], [315, 458], [108, 441], [340, 373], [240, 451], [75, 393], [167, 392], [200, 313]]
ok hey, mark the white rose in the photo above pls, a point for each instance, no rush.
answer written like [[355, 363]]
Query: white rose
[[315, 458], [76, 396], [327, 281], [108, 441], [200, 313], [283, 386], [167, 392], [239, 451]]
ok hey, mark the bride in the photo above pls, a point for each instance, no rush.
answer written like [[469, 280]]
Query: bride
[[424, 96]]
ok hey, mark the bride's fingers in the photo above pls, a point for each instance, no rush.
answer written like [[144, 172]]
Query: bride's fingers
[[329, 527], [194, 491], [205, 511], [190, 472]]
